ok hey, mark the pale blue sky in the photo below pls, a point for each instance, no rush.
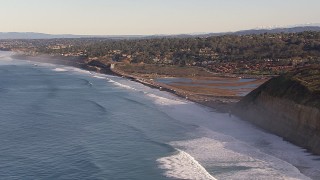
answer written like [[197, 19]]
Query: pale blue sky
[[123, 17]]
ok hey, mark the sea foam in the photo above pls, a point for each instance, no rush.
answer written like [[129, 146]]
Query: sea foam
[[160, 100], [121, 85], [223, 162], [99, 77], [230, 148], [183, 166], [60, 70]]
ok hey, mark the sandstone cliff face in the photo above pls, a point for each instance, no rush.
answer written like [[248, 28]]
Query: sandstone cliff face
[[296, 123], [287, 108]]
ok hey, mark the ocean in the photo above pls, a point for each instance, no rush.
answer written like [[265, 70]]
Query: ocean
[[59, 122]]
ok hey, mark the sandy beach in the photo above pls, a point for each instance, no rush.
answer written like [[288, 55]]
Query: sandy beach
[[213, 95], [219, 93]]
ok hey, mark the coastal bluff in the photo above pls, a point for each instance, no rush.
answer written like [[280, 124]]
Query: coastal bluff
[[288, 106]]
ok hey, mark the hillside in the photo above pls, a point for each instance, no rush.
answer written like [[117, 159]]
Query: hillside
[[279, 30], [289, 106], [301, 86]]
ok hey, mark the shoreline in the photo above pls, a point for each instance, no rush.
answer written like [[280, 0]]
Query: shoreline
[[166, 88], [220, 103], [223, 104]]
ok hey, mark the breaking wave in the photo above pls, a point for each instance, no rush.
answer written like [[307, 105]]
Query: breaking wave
[[121, 85], [182, 165], [239, 161], [166, 101], [60, 70]]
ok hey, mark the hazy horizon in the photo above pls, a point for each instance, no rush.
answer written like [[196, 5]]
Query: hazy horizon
[[190, 33], [153, 17]]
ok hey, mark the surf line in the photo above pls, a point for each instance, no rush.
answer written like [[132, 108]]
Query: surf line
[[182, 165]]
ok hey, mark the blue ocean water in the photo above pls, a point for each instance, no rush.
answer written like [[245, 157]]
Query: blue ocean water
[[60, 122], [57, 125]]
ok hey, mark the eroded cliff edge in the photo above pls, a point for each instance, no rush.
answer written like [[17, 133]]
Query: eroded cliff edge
[[289, 106]]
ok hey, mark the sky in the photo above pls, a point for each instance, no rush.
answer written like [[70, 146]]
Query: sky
[[147, 17]]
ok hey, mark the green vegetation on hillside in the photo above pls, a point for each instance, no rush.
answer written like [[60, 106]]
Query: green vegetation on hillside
[[248, 54], [301, 85], [309, 77]]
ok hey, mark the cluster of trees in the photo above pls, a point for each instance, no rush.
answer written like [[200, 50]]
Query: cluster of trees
[[227, 48]]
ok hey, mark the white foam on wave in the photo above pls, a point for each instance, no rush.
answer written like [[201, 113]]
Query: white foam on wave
[[248, 163], [77, 70], [160, 100], [60, 70], [183, 166], [121, 85], [229, 143], [99, 77], [159, 97], [42, 64]]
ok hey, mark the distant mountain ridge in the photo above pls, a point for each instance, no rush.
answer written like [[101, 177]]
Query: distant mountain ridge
[[33, 35], [279, 30]]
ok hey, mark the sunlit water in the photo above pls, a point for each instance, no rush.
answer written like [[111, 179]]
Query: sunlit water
[[60, 122]]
